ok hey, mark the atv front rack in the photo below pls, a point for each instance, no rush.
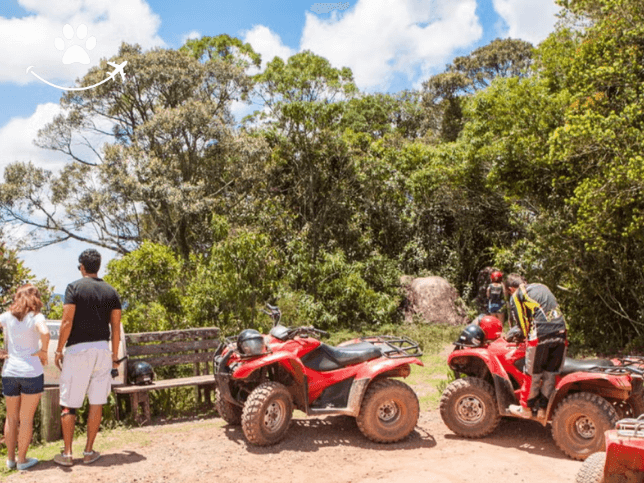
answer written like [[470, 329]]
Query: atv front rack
[[394, 347], [631, 427]]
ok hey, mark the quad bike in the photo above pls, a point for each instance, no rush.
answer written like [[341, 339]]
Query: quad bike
[[589, 396], [260, 379], [623, 461]]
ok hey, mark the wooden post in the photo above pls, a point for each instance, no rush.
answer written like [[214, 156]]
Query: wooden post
[[50, 428]]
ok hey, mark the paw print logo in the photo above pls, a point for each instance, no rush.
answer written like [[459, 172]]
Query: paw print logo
[[75, 53]]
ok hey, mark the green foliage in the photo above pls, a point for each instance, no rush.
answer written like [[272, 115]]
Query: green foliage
[[149, 281]]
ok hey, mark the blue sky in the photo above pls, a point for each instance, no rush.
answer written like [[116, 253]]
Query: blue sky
[[389, 44]]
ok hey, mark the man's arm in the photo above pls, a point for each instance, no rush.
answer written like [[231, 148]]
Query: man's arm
[[115, 326], [65, 329]]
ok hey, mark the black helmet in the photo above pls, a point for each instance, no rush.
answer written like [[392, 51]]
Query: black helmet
[[250, 343], [472, 336], [140, 372]]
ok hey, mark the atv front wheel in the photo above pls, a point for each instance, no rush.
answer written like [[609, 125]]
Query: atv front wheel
[[468, 407], [592, 471], [228, 411], [579, 423], [267, 414], [389, 411]]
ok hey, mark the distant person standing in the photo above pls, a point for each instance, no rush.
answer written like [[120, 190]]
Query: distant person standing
[[22, 373], [91, 319], [496, 296]]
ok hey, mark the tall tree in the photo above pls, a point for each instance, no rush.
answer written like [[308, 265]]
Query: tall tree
[[151, 157]]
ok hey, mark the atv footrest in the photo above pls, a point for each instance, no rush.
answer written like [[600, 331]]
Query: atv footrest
[[394, 347]]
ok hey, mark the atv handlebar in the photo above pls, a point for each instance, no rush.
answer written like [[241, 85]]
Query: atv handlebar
[[306, 331]]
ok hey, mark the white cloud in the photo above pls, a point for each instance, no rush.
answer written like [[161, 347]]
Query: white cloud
[[531, 20], [16, 139], [31, 40], [194, 34], [379, 38], [267, 43]]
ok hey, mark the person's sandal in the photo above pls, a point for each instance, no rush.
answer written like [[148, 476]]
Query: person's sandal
[[90, 456], [63, 459]]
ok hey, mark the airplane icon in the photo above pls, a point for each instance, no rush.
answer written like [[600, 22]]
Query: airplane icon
[[118, 69]]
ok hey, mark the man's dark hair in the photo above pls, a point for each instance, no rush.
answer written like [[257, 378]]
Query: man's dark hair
[[91, 260], [514, 280]]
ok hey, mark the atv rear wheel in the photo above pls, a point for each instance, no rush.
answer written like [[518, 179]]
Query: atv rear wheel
[[389, 411], [267, 414], [579, 423], [468, 407], [229, 412], [592, 471]]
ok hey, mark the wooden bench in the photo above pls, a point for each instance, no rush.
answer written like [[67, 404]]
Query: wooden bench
[[169, 348]]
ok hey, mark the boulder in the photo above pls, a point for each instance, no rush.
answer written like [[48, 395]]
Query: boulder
[[432, 300]]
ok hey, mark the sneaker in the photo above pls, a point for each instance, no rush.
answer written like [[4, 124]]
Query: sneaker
[[63, 459], [27, 464], [11, 465], [90, 456], [520, 411]]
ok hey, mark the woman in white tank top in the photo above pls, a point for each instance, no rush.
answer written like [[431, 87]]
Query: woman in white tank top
[[26, 340]]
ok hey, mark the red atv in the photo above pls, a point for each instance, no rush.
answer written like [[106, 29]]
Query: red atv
[[623, 461], [260, 379], [589, 395]]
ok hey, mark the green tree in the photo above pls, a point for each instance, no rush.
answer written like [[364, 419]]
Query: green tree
[[443, 93], [151, 157]]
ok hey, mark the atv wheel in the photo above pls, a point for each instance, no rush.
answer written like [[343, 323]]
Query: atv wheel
[[389, 411], [579, 423], [592, 471], [229, 412], [267, 414], [468, 407]]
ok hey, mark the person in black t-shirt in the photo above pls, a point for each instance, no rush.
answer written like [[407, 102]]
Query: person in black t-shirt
[[90, 333]]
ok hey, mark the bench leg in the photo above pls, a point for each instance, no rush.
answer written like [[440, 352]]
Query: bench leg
[[138, 399]]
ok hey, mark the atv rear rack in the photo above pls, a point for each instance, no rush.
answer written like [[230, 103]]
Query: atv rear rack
[[394, 347], [631, 427]]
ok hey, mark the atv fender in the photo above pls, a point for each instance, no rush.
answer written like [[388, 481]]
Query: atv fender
[[466, 360], [292, 364], [284, 358], [380, 366], [608, 386]]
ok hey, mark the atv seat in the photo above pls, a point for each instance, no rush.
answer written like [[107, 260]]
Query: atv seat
[[573, 365], [328, 358]]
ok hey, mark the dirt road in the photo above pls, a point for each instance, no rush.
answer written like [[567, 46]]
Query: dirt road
[[325, 450]]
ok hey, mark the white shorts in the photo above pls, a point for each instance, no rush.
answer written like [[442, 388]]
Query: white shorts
[[86, 372]]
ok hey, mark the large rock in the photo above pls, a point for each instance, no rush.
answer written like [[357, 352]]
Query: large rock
[[432, 300]]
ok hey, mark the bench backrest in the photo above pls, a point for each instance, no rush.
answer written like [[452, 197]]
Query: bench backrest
[[172, 347]]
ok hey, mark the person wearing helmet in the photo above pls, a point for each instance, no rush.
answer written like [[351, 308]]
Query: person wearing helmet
[[496, 296], [536, 311]]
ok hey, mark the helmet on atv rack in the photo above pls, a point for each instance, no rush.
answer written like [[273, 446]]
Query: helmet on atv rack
[[472, 336], [250, 343], [492, 327], [140, 373], [496, 276]]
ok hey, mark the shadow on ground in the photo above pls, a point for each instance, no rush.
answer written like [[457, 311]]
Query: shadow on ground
[[524, 435], [309, 435]]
